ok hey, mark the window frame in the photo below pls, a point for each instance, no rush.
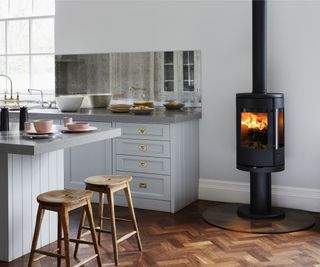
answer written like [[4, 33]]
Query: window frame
[[49, 93]]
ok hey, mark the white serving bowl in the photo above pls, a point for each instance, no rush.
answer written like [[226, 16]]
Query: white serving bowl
[[69, 102], [98, 100]]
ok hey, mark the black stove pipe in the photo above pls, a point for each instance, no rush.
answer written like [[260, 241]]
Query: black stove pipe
[[259, 46]]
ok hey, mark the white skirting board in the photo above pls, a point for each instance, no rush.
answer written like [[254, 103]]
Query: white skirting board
[[282, 196], [22, 178]]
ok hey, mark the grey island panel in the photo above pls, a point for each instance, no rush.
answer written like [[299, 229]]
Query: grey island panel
[[13, 141], [103, 115]]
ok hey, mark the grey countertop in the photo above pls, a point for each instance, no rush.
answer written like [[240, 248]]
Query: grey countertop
[[13, 141], [159, 115]]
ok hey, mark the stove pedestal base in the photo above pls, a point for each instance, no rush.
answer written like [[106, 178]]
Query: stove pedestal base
[[260, 199], [245, 212], [226, 216]]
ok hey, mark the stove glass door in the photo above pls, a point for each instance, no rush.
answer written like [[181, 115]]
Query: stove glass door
[[254, 130]]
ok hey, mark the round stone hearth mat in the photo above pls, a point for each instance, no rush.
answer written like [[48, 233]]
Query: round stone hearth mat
[[225, 216]]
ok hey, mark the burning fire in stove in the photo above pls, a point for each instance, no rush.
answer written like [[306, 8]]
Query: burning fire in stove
[[254, 130], [254, 120]]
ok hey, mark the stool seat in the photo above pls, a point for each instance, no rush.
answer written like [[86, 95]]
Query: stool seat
[[107, 180], [64, 197]]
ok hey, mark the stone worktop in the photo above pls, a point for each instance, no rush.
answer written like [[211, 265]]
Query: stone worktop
[[159, 115], [13, 142]]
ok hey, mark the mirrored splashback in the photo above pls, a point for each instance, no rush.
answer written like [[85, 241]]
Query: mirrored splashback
[[148, 76]]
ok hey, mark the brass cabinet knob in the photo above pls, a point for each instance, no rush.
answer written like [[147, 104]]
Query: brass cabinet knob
[[142, 130], [142, 164], [143, 147], [143, 185]]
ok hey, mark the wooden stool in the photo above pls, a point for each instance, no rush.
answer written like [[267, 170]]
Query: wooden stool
[[63, 201], [109, 185]]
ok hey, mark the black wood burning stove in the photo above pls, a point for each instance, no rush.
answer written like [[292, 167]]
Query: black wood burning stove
[[260, 151], [260, 128], [260, 148]]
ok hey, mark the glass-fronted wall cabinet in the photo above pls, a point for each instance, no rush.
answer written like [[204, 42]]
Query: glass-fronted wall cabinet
[[178, 76]]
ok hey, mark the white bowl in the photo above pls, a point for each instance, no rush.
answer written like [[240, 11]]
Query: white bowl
[[69, 102], [98, 100]]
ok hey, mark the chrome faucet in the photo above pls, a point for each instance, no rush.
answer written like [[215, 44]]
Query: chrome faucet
[[6, 76], [41, 93]]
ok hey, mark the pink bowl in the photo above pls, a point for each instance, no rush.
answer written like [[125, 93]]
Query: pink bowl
[[76, 126], [43, 126]]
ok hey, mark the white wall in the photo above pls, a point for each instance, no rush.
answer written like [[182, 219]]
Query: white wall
[[222, 31]]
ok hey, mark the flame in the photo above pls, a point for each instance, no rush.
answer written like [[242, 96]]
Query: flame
[[254, 120]]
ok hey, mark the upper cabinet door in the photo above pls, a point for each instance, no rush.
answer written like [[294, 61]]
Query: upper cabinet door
[[178, 74]]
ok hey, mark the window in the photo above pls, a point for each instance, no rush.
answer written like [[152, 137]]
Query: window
[[27, 46]]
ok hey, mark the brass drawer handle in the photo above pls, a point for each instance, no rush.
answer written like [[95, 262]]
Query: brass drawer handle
[[142, 164], [143, 185], [143, 148], [142, 130]]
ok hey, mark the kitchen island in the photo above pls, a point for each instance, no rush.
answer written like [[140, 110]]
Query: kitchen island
[[28, 168]]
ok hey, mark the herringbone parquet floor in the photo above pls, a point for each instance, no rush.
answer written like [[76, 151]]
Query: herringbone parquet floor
[[184, 239]]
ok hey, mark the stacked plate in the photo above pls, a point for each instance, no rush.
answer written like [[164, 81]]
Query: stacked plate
[[32, 134], [119, 108]]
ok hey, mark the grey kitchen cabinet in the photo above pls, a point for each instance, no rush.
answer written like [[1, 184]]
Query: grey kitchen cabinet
[[87, 160], [164, 162]]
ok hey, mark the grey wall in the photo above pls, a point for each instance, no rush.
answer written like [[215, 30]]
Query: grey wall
[[222, 31]]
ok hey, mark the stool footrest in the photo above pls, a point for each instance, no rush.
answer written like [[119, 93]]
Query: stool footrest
[[48, 254], [86, 260], [97, 230], [117, 219], [81, 241], [126, 236]]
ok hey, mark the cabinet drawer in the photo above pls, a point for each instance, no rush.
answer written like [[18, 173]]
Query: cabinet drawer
[[149, 186], [143, 164], [143, 148], [144, 131]]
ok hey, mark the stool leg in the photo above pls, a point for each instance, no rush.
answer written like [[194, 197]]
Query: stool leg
[[132, 213], [40, 214], [59, 239], [101, 206], [65, 225], [113, 225], [82, 220], [93, 230]]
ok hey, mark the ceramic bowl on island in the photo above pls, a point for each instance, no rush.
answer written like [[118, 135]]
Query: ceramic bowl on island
[[43, 126], [78, 126]]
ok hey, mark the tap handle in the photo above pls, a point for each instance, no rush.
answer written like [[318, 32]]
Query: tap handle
[[18, 96]]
